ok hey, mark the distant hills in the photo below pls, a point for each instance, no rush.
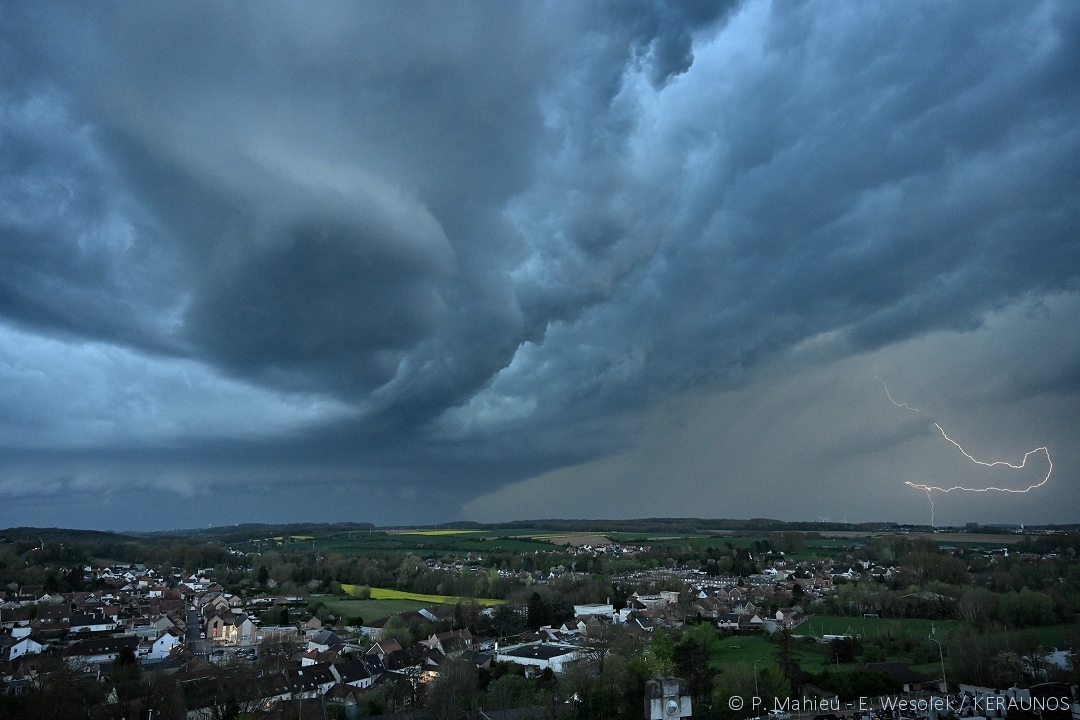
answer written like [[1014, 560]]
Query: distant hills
[[677, 526]]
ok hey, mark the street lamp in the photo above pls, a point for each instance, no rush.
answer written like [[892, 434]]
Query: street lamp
[[941, 657], [756, 693]]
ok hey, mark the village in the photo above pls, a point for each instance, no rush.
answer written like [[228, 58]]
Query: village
[[194, 629]]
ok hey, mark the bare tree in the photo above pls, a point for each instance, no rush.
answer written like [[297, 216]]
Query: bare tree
[[455, 691]]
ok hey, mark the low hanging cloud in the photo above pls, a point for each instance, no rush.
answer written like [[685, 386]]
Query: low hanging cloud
[[483, 239], [83, 395]]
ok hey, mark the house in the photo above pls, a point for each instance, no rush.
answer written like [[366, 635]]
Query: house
[[648, 602], [354, 673], [323, 641], [99, 650], [595, 625], [375, 665], [376, 628], [606, 609], [345, 695], [29, 593], [728, 621], [163, 646], [229, 628], [450, 644], [310, 681], [314, 657], [12, 647], [573, 626], [707, 607], [400, 661], [91, 623], [151, 628], [215, 624], [383, 648], [274, 632], [49, 614], [14, 617], [540, 655], [754, 621], [788, 618], [433, 659]]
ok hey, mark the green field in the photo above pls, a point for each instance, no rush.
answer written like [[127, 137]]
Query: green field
[[428, 543], [812, 656], [819, 625], [742, 648], [437, 533], [370, 609], [1056, 635]]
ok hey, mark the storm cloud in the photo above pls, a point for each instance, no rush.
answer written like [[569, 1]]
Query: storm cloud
[[413, 255]]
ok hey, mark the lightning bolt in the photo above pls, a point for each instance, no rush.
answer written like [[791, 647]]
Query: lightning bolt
[[991, 488]]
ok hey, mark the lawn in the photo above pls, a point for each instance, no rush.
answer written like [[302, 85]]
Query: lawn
[[742, 648], [436, 533], [1055, 635], [428, 543], [819, 625], [814, 657], [370, 609], [386, 594]]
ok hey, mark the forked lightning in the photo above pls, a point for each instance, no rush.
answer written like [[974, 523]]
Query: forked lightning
[[929, 488]]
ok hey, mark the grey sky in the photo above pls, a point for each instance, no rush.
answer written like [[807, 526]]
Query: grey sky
[[418, 262]]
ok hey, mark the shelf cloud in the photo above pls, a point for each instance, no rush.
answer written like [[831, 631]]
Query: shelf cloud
[[417, 257]]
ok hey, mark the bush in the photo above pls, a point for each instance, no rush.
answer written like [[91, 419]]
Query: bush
[[1026, 608], [873, 654], [857, 683]]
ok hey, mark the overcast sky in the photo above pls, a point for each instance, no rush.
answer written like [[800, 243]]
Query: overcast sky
[[411, 263]]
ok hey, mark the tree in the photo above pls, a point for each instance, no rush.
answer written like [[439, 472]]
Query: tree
[[539, 612], [841, 649], [237, 690], [397, 629], [277, 650], [508, 692], [506, 620], [454, 691], [789, 666], [59, 691], [126, 679], [164, 698], [691, 661], [768, 683], [1027, 608], [598, 647], [661, 652]]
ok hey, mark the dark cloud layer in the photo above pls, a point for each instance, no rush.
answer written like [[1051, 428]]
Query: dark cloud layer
[[451, 246]]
